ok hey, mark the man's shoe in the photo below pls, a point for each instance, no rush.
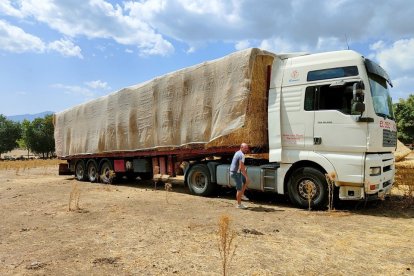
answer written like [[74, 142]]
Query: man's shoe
[[245, 198], [241, 206]]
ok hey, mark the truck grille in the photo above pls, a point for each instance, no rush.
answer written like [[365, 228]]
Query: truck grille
[[389, 138]]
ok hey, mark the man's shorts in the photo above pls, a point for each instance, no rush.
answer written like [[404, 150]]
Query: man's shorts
[[238, 180]]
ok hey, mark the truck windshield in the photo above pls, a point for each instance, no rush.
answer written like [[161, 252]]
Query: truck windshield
[[381, 96]]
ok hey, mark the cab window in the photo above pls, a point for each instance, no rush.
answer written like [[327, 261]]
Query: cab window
[[328, 97]]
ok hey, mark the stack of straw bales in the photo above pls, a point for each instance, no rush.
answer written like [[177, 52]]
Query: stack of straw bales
[[219, 103], [254, 131], [404, 166], [401, 152]]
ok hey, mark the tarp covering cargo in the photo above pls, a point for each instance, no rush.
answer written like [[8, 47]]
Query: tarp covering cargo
[[216, 103]]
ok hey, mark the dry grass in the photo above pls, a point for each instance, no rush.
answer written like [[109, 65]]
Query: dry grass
[[168, 189], [108, 178], [309, 192], [330, 179], [74, 198], [226, 245], [23, 165]]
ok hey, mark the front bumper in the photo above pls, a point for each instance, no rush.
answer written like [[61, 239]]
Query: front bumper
[[380, 183], [377, 185]]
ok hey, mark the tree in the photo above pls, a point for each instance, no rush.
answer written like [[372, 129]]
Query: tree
[[23, 142], [39, 136], [404, 114], [10, 132]]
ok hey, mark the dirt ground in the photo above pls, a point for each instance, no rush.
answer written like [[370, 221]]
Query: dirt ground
[[132, 229]]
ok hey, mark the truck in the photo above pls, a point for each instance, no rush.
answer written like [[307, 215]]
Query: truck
[[310, 120]]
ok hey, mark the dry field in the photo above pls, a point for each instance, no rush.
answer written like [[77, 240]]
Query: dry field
[[132, 229]]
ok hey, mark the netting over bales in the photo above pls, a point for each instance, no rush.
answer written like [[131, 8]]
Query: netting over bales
[[254, 131], [216, 103]]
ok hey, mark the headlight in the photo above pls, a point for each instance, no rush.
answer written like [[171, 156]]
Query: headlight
[[373, 171]]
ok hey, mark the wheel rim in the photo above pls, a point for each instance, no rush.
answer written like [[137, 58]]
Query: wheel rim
[[308, 188], [92, 172], [79, 171], [105, 173], [199, 181]]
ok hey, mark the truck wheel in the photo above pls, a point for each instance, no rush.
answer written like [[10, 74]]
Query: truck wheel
[[92, 170], [107, 172], [308, 182], [80, 170], [199, 180]]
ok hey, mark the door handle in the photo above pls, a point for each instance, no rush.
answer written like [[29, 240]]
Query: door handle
[[317, 140]]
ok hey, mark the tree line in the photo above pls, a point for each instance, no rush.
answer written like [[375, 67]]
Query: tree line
[[35, 136]]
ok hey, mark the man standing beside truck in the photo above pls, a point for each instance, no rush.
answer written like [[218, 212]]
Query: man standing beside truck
[[239, 174]]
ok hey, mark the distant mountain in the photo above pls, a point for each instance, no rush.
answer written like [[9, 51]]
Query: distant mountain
[[29, 117]]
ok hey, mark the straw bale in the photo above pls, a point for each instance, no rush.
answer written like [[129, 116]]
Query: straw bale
[[404, 173], [401, 152], [254, 132]]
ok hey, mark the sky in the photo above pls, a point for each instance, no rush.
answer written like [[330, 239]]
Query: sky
[[55, 54]]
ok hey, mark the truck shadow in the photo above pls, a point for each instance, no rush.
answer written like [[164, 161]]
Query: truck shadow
[[393, 207]]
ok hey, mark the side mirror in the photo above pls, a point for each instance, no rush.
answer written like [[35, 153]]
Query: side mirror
[[358, 106], [358, 91]]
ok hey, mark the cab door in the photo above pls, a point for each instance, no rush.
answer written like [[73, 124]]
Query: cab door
[[335, 129], [337, 135]]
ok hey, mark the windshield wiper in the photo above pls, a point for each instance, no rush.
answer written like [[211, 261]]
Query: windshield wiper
[[385, 116]]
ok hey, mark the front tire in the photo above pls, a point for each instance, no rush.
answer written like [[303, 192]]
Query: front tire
[[199, 180], [308, 183]]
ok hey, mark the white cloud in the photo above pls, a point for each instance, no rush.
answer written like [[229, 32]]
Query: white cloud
[[98, 84], [279, 45], [243, 44], [75, 90], [331, 44], [90, 89], [398, 57], [14, 39], [95, 19], [316, 25], [7, 8], [398, 60], [66, 48]]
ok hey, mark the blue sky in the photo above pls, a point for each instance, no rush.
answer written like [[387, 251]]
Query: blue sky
[[55, 54]]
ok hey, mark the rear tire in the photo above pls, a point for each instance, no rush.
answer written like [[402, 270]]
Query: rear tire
[[313, 179], [92, 170], [80, 170], [199, 180], [106, 172]]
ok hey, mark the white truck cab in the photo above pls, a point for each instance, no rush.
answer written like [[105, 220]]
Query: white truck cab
[[331, 112]]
